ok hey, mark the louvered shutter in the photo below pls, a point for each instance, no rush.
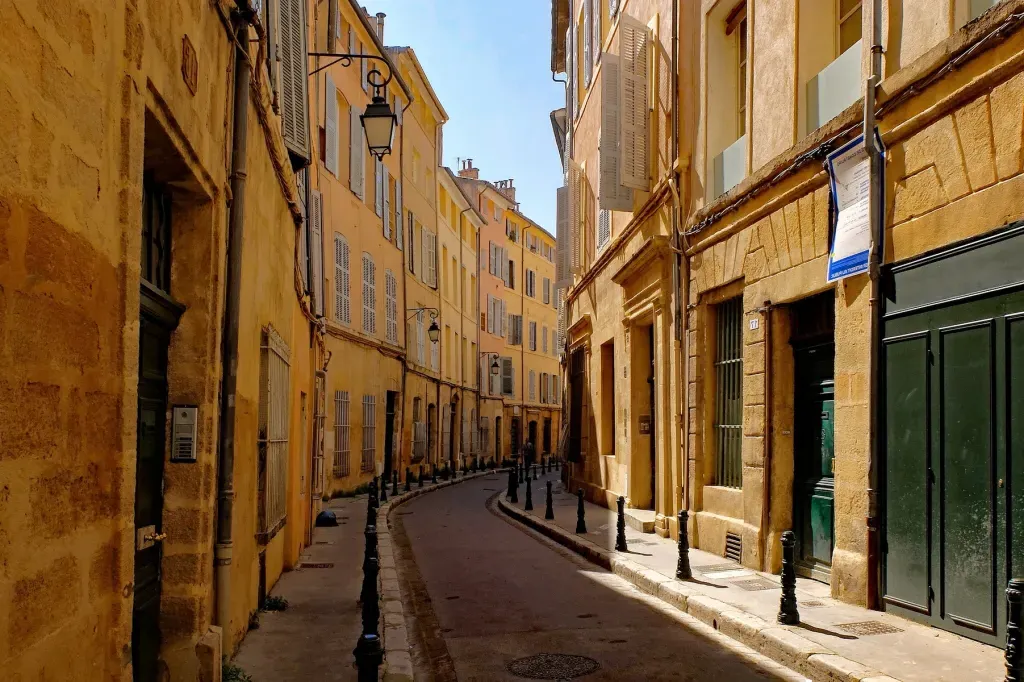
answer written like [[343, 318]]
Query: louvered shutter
[[292, 43], [613, 7], [420, 357], [588, 43], [331, 128], [399, 223], [369, 295], [391, 306], [342, 307], [575, 227], [596, 46], [355, 152], [634, 49], [378, 187], [604, 228], [612, 194], [503, 316], [386, 190], [364, 68], [301, 179], [561, 234], [317, 252]]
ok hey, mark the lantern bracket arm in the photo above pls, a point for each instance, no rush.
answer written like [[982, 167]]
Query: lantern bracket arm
[[433, 312], [374, 76]]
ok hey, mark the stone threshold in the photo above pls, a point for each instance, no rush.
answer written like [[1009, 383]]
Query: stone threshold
[[783, 644]]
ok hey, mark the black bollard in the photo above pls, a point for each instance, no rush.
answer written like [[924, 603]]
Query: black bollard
[[620, 526], [788, 613], [549, 510], [369, 653], [511, 482], [383, 488], [394, 482], [522, 471], [534, 467], [420, 478], [372, 504], [581, 523], [408, 479], [543, 467], [433, 472], [529, 495], [1014, 635], [514, 498], [683, 564]]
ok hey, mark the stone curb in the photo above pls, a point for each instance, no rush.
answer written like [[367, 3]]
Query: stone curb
[[778, 642], [397, 651]]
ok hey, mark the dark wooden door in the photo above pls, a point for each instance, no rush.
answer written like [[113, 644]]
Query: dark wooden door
[[652, 385], [814, 457], [390, 400], [954, 483], [577, 376], [514, 437], [154, 338]]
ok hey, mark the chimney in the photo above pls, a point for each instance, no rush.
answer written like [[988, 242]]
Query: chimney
[[466, 170], [507, 189], [380, 26]]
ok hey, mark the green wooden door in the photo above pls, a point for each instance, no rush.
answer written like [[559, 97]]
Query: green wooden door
[[954, 416], [813, 482]]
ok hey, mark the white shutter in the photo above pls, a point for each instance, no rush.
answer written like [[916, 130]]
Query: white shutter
[[575, 225], [292, 37], [588, 44], [386, 182], [612, 194], [604, 228], [399, 223], [317, 252], [355, 163], [342, 308], [562, 234], [596, 46], [544, 340], [420, 357], [364, 69], [331, 128], [391, 306], [634, 49], [369, 295], [503, 316], [378, 186], [613, 7]]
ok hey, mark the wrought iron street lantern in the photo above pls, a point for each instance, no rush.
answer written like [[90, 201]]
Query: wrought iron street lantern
[[379, 126]]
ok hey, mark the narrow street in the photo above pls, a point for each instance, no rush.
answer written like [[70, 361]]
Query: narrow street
[[487, 593]]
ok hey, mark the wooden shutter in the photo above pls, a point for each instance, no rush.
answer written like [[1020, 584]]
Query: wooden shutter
[[356, 165], [294, 118], [612, 194], [575, 225], [588, 43], [378, 186], [634, 49], [331, 128], [342, 297], [386, 190], [596, 45], [507, 377], [604, 228], [399, 240], [369, 295], [391, 306], [317, 252], [561, 234], [420, 338], [301, 180]]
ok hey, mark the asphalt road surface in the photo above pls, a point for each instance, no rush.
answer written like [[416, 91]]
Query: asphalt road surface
[[486, 593]]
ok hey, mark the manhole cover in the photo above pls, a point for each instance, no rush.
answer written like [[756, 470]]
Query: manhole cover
[[869, 627], [718, 568], [755, 584], [812, 604], [552, 667]]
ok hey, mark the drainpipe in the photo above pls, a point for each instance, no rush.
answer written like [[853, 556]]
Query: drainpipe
[[874, 272], [479, 374], [766, 487], [229, 348], [440, 308], [397, 462], [677, 255]]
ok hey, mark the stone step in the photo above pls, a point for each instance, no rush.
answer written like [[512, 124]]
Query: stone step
[[641, 520]]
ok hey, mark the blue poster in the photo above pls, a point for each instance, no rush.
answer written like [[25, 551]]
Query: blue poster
[[849, 169]]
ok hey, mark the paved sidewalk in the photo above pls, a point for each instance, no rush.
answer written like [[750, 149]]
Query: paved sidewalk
[[744, 603]]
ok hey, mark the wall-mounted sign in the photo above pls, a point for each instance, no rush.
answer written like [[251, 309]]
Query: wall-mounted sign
[[189, 65], [645, 424], [849, 169]]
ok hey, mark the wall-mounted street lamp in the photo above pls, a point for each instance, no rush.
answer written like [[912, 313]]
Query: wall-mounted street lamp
[[495, 367], [433, 331], [378, 120]]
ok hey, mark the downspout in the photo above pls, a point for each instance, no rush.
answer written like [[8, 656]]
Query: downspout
[[440, 308], [397, 463], [677, 255], [766, 488], [229, 347], [874, 272], [479, 374]]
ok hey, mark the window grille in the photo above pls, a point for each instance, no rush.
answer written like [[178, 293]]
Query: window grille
[[272, 439], [156, 234], [729, 393], [369, 432], [341, 434]]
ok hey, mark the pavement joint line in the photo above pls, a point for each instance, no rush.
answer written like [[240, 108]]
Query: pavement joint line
[[398, 655], [777, 642]]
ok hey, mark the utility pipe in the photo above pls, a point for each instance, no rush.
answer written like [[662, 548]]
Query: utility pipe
[[229, 348], [875, 301], [766, 487], [677, 317]]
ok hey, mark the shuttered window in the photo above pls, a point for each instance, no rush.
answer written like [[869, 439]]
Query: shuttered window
[[386, 183], [429, 259], [533, 336], [316, 252], [369, 433], [562, 234], [412, 242], [342, 293], [612, 194], [391, 306], [356, 165], [331, 127], [341, 433], [294, 116], [398, 216], [508, 386], [533, 385], [634, 58], [588, 42], [272, 433], [604, 228], [378, 187], [420, 339], [544, 340], [729, 392], [369, 295], [547, 291], [575, 224]]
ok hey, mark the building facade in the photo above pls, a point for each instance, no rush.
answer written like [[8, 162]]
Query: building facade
[[873, 414]]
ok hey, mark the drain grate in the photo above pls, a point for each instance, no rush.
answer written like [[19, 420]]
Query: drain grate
[[733, 546], [755, 584], [325, 564], [869, 627], [553, 666]]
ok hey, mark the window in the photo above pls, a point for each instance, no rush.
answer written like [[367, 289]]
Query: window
[[341, 434], [533, 385], [508, 386], [608, 398], [531, 284], [429, 259], [272, 435], [369, 433], [391, 306], [604, 228], [420, 338], [544, 340], [412, 243], [728, 425], [435, 356], [369, 295], [419, 431], [485, 435], [330, 150], [543, 387], [316, 252], [547, 291], [510, 275], [342, 297], [533, 336], [741, 75], [292, 48], [849, 24], [156, 234], [588, 43], [398, 215], [515, 330]]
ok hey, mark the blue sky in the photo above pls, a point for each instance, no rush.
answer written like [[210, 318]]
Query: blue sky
[[489, 63]]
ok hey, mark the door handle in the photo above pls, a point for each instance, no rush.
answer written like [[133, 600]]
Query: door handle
[[157, 537]]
